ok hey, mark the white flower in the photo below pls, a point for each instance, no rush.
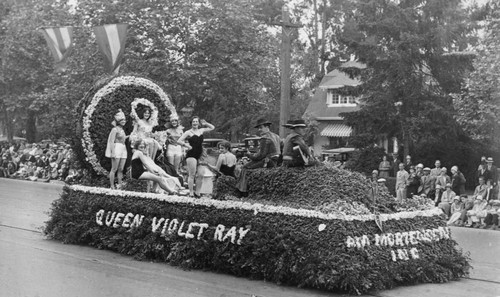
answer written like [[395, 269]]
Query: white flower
[[88, 145], [258, 207]]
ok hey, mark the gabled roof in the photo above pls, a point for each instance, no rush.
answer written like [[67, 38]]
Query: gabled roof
[[338, 79], [335, 79]]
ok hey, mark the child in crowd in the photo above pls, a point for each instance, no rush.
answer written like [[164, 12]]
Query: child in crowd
[[446, 200]]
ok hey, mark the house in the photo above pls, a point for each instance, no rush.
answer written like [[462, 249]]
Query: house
[[331, 98]]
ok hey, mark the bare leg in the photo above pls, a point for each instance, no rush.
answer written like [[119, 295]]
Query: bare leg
[[159, 180], [191, 167], [112, 172], [121, 166], [177, 162]]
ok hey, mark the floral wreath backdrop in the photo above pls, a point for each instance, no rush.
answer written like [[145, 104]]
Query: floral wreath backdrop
[[123, 92]]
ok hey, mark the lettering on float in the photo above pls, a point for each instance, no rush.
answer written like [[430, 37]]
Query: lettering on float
[[403, 243], [166, 226]]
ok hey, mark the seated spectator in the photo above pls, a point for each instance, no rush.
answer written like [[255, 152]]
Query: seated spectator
[[456, 210], [74, 173], [491, 219], [441, 181], [63, 170], [144, 168], [37, 150], [4, 165], [477, 213], [226, 162], [446, 200], [482, 188], [427, 183]]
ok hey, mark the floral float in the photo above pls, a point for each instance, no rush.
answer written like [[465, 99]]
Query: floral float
[[345, 244], [314, 227]]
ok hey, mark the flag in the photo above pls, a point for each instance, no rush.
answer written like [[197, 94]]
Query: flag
[[60, 41], [111, 40]]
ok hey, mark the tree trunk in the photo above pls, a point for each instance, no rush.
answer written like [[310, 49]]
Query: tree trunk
[[31, 127], [8, 126]]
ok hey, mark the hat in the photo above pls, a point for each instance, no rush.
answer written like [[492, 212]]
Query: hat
[[297, 123], [420, 165], [456, 198], [381, 180], [448, 185], [427, 169], [288, 124], [489, 160], [262, 122], [375, 171], [495, 202]]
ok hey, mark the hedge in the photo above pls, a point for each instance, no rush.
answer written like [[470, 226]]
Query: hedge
[[300, 249], [317, 187]]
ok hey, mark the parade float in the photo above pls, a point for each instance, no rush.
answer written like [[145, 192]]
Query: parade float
[[313, 227]]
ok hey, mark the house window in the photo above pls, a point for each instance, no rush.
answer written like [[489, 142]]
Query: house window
[[335, 99]]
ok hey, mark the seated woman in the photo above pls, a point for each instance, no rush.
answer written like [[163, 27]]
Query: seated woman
[[226, 163], [143, 167]]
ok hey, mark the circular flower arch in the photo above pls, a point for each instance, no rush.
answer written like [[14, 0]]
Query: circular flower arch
[[100, 104]]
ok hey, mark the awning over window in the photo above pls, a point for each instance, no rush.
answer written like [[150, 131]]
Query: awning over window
[[336, 130]]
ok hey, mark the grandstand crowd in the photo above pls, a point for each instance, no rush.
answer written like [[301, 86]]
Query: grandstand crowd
[[43, 161]]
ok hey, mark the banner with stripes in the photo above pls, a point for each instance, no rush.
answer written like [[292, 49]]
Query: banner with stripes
[[60, 41], [111, 40]]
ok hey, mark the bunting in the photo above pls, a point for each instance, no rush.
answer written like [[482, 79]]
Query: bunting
[[60, 41], [111, 40]]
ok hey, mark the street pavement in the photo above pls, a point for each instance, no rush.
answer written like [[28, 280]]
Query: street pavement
[[31, 265]]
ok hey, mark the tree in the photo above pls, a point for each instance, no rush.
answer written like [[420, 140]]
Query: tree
[[400, 42], [25, 62], [478, 105]]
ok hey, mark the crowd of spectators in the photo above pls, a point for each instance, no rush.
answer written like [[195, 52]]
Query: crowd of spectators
[[43, 161], [479, 209]]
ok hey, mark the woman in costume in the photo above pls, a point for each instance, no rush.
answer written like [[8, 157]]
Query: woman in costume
[[115, 148], [145, 119], [194, 138], [174, 149], [143, 167], [226, 163]]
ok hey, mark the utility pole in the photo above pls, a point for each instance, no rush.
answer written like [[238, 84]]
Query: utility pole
[[286, 31]]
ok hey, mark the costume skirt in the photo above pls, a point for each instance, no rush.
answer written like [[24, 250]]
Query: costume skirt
[[120, 151]]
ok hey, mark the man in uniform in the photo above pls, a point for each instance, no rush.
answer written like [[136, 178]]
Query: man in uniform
[[296, 153]]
